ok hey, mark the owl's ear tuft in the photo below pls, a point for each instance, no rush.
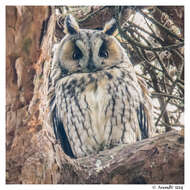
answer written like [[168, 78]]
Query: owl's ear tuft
[[110, 27], [71, 25]]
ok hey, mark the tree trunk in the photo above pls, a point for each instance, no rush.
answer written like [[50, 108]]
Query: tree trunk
[[32, 155]]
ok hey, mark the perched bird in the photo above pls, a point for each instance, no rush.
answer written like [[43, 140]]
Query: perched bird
[[96, 100]]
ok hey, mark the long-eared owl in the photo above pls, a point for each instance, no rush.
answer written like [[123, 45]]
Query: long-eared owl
[[96, 100]]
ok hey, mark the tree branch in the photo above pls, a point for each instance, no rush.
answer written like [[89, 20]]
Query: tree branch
[[149, 161], [159, 25], [166, 95], [138, 44], [91, 14]]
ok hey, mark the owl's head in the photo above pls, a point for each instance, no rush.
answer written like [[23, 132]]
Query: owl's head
[[83, 50]]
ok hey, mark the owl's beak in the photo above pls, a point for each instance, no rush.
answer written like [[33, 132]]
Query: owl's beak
[[90, 66]]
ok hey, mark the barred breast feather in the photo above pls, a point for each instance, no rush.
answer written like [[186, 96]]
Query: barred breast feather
[[103, 109]]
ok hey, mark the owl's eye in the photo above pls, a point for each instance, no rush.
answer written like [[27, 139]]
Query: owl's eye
[[77, 54], [103, 52]]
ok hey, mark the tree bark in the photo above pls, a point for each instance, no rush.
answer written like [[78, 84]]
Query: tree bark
[[32, 155], [157, 160], [28, 53]]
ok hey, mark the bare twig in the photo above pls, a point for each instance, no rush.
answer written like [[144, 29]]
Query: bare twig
[[91, 14], [166, 95], [159, 25], [166, 103], [131, 24], [138, 44], [181, 107]]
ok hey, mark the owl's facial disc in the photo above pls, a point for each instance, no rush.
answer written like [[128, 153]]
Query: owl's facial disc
[[85, 56], [90, 65], [103, 50]]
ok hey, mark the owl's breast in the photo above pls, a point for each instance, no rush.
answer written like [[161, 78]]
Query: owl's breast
[[97, 98], [110, 97], [97, 108]]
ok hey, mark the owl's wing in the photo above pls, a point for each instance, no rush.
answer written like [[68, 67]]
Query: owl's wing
[[57, 124], [60, 133], [144, 112], [142, 120]]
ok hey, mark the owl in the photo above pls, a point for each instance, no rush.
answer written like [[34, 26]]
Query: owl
[[96, 101]]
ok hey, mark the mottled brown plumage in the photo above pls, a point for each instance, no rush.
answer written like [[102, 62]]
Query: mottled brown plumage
[[96, 99]]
